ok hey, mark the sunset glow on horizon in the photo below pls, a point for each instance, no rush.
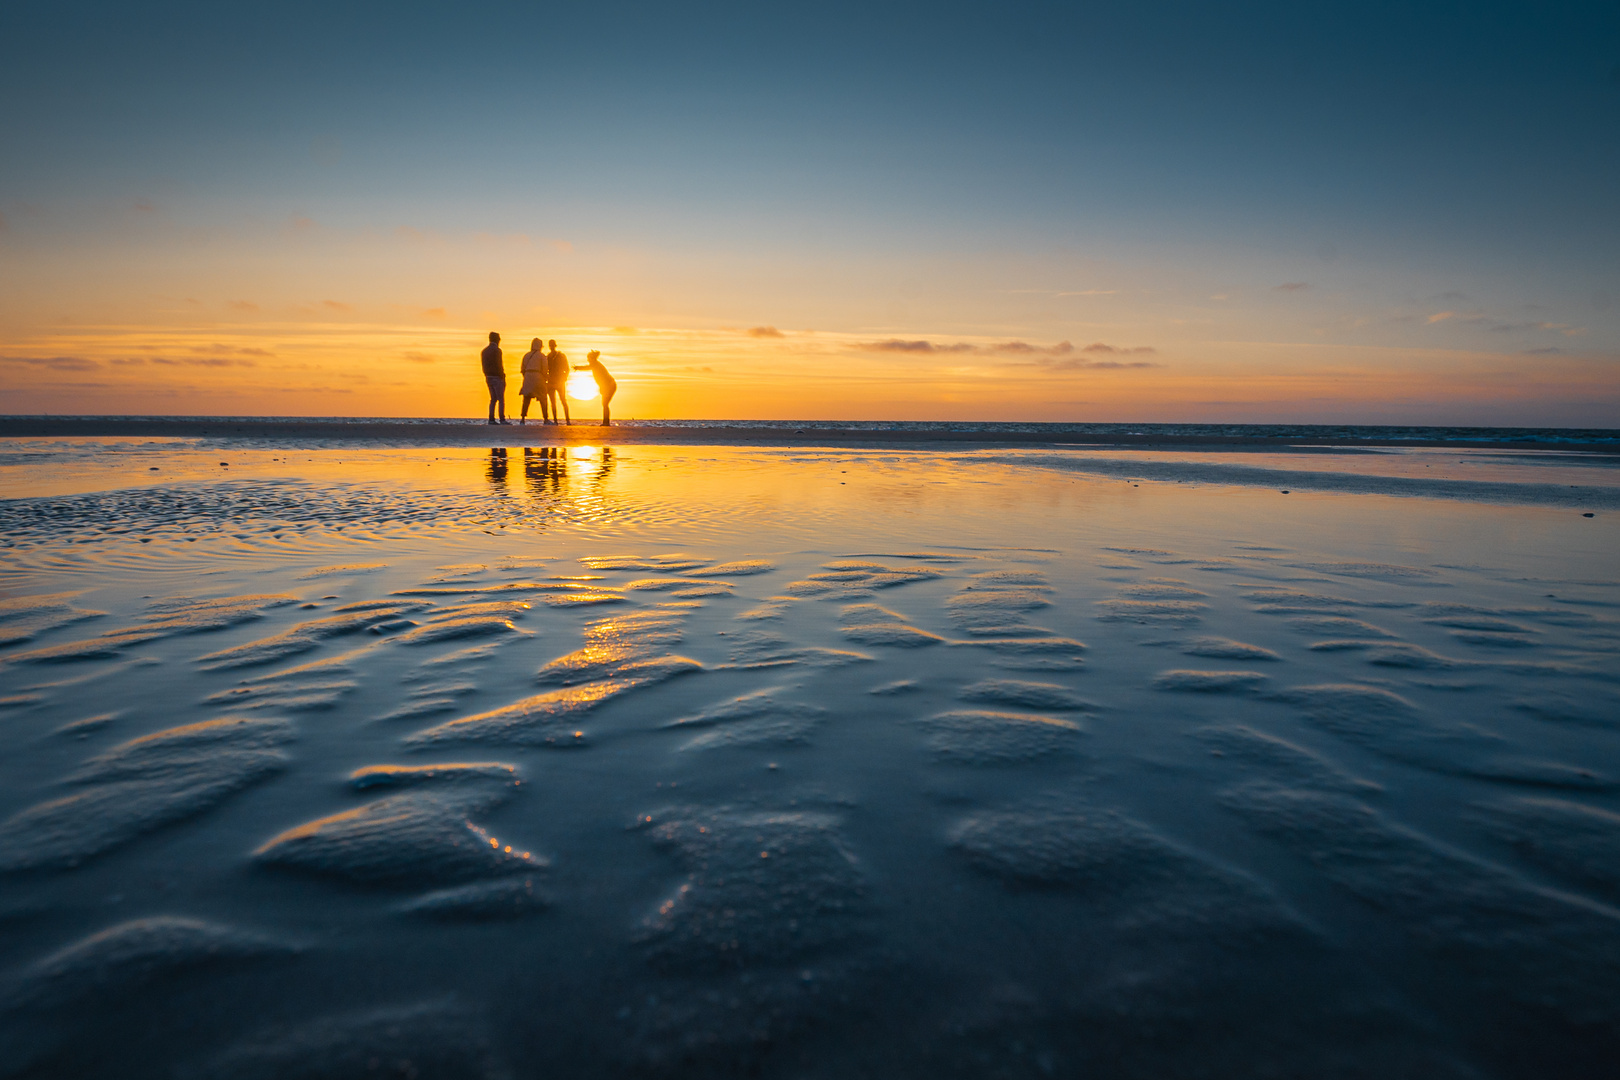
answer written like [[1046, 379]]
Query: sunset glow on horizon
[[781, 220]]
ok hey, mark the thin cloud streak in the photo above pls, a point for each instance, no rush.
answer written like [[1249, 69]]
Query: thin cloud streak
[[1006, 348], [56, 363]]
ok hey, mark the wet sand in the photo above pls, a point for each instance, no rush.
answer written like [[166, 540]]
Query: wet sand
[[712, 760]]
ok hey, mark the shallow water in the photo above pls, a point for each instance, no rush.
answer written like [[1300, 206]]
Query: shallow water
[[709, 761]]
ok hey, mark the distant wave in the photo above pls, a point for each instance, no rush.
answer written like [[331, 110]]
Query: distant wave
[[1325, 433]]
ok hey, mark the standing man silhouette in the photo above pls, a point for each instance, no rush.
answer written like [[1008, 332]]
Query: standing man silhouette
[[495, 376], [557, 383]]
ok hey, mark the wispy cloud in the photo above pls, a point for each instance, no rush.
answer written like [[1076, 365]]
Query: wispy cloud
[[1081, 363], [1494, 325], [1060, 357], [203, 361], [242, 305], [56, 363], [1292, 286], [1024, 348], [1013, 348], [1091, 292], [764, 331], [897, 345], [1514, 328], [1103, 365], [229, 350], [336, 305], [421, 358], [1133, 350]]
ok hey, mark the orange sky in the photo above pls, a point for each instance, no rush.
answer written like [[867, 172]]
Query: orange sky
[[133, 310]]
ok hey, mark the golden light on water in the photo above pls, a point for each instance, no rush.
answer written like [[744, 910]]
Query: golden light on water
[[581, 386]]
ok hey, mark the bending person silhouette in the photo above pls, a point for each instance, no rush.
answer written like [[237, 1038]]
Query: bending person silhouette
[[605, 383], [557, 383], [494, 376], [534, 381]]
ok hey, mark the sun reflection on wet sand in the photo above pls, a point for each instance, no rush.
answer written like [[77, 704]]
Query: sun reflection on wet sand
[[782, 748]]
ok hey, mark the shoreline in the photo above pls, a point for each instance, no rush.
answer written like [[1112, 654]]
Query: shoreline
[[813, 433]]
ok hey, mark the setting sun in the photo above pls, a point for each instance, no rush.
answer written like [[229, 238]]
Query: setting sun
[[581, 386]]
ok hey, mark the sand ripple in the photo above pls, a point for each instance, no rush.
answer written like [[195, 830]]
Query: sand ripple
[[141, 785]]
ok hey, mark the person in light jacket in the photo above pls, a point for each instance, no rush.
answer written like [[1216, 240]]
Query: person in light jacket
[[534, 382]]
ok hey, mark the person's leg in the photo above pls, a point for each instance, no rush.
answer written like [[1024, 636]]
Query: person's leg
[[562, 395], [499, 391], [545, 406], [523, 417], [490, 382], [607, 399]]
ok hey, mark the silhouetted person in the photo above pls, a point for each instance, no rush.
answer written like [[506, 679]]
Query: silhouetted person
[[534, 380], [495, 376], [604, 383], [557, 383]]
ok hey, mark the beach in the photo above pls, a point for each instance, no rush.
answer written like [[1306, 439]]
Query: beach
[[790, 751]]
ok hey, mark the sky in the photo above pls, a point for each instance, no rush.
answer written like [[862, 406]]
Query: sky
[[1403, 213]]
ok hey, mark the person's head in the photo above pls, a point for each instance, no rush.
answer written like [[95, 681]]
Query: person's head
[[494, 338], [593, 354], [552, 343], [535, 344]]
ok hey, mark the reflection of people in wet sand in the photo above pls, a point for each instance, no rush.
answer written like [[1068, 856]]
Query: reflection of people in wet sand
[[605, 383], [544, 465], [495, 376], [497, 466], [534, 381], [557, 384]]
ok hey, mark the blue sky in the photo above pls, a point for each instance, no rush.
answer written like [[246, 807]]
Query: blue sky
[[741, 162]]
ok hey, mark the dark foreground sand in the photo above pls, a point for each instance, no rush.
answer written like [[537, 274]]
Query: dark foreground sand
[[695, 762]]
